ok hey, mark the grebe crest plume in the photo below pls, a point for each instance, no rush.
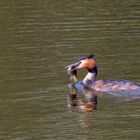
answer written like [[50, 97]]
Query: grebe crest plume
[[86, 57]]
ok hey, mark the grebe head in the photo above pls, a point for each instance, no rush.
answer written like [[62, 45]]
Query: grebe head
[[86, 61]]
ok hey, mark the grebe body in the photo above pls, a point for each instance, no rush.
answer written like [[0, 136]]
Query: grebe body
[[90, 81]]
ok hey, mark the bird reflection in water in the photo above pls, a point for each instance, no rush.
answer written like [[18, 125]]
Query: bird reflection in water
[[85, 101]]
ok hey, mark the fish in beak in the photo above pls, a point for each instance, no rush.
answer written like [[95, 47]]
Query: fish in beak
[[72, 69]]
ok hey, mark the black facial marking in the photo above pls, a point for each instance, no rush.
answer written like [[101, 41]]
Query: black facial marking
[[93, 70]]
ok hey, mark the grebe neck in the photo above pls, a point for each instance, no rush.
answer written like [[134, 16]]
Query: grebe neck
[[91, 76]]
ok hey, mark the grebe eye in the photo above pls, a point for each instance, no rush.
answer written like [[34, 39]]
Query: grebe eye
[[80, 62]]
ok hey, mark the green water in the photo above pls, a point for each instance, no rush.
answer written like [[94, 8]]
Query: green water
[[38, 39]]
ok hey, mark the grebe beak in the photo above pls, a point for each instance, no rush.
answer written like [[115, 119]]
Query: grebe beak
[[73, 67]]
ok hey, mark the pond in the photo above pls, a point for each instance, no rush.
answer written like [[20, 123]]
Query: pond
[[38, 39]]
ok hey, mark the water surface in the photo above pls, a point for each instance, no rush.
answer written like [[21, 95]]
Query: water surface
[[38, 39]]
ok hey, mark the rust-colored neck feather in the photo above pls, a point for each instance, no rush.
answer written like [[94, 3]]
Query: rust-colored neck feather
[[90, 63]]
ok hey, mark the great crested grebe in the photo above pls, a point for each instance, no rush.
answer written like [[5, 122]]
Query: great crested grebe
[[90, 81]]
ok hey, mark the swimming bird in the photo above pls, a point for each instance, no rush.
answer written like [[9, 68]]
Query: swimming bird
[[90, 81]]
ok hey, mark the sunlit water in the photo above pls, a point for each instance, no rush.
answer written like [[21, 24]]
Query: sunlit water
[[38, 39]]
